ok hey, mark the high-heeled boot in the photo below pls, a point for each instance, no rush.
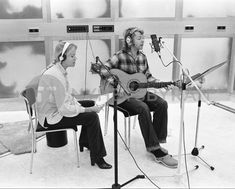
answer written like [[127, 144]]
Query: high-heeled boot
[[82, 145], [102, 164]]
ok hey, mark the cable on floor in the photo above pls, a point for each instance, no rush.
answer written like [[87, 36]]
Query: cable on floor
[[185, 158], [136, 162]]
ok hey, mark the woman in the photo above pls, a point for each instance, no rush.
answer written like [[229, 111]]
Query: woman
[[57, 107]]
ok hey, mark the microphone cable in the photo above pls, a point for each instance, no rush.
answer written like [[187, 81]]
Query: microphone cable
[[184, 142], [185, 158], [92, 52], [184, 148], [166, 65], [158, 51], [85, 80], [132, 156], [93, 55]]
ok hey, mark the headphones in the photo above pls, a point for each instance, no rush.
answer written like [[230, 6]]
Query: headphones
[[63, 56], [129, 36]]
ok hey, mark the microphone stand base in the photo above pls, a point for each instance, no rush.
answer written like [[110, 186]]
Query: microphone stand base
[[116, 186], [136, 177], [195, 152]]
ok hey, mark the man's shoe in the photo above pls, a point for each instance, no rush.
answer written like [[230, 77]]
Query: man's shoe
[[167, 160], [164, 150]]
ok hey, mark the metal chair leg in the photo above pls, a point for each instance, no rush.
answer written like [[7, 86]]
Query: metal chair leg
[[76, 146], [125, 131], [134, 123], [106, 119], [129, 131], [32, 152], [35, 143]]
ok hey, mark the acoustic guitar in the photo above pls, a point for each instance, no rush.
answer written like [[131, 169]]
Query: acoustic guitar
[[132, 85]]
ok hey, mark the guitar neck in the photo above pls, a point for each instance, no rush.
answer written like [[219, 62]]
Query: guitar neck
[[155, 85]]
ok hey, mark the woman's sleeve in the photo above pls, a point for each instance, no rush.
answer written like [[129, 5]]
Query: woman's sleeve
[[66, 104]]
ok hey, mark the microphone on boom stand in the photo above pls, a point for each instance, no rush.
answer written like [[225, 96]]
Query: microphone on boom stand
[[155, 44]]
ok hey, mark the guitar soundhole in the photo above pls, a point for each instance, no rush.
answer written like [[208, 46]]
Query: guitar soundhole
[[133, 85]]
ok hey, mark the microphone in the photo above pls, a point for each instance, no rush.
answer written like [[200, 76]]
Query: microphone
[[155, 43]]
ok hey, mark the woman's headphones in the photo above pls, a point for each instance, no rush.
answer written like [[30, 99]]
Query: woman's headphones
[[63, 56], [129, 35]]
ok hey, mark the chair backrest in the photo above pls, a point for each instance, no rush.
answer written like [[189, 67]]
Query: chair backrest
[[30, 95], [30, 101]]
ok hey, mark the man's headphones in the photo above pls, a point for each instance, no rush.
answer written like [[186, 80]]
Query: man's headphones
[[129, 35], [63, 56]]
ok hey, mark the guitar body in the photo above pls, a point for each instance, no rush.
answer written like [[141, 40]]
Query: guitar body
[[135, 85], [126, 81]]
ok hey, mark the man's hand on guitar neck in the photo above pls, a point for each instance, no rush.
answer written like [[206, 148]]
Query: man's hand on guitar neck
[[169, 87]]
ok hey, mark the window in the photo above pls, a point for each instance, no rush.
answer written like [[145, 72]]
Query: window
[[208, 8], [70, 9], [149, 8], [15, 9], [200, 54], [20, 62]]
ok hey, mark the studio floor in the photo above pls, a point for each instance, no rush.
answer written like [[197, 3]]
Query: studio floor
[[56, 167]]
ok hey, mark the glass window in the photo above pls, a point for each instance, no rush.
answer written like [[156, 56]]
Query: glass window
[[15, 9], [208, 8], [20, 62], [70, 9], [149, 8], [80, 77], [200, 54]]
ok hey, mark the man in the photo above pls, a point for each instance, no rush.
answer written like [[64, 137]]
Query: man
[[132, 60]]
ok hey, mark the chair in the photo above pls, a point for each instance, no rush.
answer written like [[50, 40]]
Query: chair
[[30, 100], [127, 115]]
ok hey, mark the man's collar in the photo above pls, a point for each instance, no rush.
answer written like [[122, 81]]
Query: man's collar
[[128, 51]]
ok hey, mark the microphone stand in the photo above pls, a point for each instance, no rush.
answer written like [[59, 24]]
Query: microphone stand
[[182, 104], [115, 94], [201, 96], [195, 150]]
